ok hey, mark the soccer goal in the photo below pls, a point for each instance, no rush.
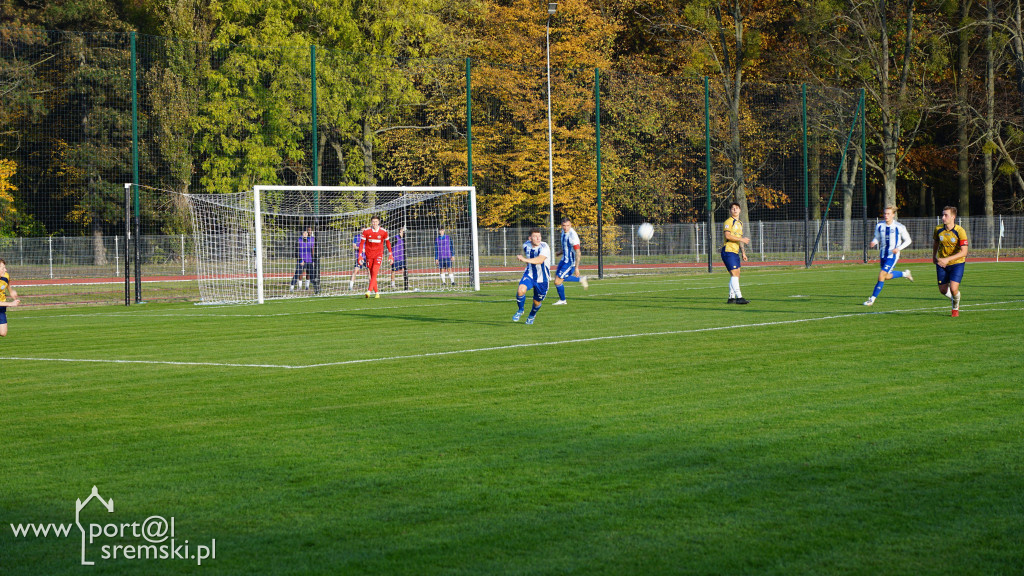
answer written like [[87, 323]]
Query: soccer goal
[[250, 246]]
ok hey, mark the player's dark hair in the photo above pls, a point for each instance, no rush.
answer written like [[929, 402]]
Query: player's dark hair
[[952, 209], [736, 204], [534, 231], [566, 219], [2, 261], [374, 217]]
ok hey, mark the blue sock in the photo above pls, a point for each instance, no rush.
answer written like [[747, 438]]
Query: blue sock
[[533, 311], [571, 279], [897, 274], [521, 301], [878, 288], [561, 292]]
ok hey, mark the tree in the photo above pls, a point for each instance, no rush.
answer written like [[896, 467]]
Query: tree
[[885, 48]]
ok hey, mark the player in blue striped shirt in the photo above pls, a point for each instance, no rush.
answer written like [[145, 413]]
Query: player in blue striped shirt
[[536, 255], [567, 267], [891, 237]]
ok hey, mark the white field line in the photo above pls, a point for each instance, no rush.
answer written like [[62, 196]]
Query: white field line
[[496, 348]]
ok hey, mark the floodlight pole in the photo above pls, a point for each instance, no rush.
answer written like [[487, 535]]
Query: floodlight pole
[[552, 8]]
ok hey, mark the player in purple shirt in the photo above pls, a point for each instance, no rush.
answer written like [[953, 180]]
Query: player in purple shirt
[[304, 257], [359, 265], [398, 251], [443, 255]]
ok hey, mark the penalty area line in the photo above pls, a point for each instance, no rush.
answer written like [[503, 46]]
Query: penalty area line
[[497, 348]]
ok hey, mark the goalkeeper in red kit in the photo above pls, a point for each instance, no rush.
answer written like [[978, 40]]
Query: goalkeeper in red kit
[[371, 252]]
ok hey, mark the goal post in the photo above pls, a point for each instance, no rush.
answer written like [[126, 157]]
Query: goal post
[[251, 247]]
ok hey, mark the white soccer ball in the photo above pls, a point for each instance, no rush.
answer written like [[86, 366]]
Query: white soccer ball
[[645, 231]]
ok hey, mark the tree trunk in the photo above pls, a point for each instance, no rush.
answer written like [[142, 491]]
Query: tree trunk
[[890, 139], [339, 153], [963, 177], [848, 174], [366, 146], [990, 104], [1018, 51], [736, 144], [814, 178], [99, 251]]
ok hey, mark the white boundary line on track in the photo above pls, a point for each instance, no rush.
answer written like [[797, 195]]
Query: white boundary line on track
[[492, 348]]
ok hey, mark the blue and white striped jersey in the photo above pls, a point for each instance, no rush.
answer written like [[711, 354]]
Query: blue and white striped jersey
[[891, 238], [537, 272], [569, 241]]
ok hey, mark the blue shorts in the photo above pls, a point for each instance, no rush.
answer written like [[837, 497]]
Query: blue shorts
[[443, 263], [540, 289], [889, 263], [731, 260], [565, 270], [398, 265], [3, 314], [951, 273], [358, 266]]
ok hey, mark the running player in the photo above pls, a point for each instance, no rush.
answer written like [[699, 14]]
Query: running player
[[949, 253], [891, 237], [732, 251], [567, 267], [536, 255], [5, 286], [371, 252]]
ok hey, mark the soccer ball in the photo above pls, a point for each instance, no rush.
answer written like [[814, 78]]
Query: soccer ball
[[645, 231]]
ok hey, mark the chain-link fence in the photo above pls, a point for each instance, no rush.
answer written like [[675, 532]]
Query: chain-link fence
[[61, 269], [83, 113]]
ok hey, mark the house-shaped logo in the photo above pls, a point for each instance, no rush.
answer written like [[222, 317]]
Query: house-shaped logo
[[79, 506]]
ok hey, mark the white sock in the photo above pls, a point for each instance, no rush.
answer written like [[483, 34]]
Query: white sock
[[350, 284], [734, 286], [948, 293], [452, 276], [442, 278]]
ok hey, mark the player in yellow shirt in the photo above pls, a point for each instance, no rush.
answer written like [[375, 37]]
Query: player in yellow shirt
[[950, 255], [732, 251], [5, 286]]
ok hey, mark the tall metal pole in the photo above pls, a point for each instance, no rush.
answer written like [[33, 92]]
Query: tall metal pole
[[864, 170], [135, 173], [552, 7], [600, 213], [707, 166], [469, 121], [807, 248], [316, 143]]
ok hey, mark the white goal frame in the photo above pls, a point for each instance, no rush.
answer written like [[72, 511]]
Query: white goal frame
[[244, 240], [258, 220]]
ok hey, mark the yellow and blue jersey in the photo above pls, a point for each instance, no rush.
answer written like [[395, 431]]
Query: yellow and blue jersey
[[5, 282], [950, 242], [735, 226]]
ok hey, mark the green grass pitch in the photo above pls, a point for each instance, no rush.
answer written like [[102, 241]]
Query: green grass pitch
[[646, 428]]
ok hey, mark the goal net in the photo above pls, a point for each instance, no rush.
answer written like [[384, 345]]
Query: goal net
[[299, 241]]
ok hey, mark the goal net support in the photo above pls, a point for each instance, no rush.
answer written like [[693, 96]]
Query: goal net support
[[250, 245]]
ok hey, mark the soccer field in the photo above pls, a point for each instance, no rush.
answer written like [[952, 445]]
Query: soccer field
[[645, 428]]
